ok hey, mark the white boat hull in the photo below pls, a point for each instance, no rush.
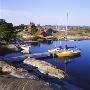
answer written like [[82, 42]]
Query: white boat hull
[[25, 48], [54, 50]]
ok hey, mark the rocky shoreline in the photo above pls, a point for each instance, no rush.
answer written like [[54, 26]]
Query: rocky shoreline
[[20, 79], [15, 72], [30, 75]]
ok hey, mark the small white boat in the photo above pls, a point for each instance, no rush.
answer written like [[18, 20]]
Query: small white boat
[[25, 47], [54, 50]]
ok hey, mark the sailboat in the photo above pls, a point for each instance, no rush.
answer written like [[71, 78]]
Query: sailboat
[[68, 52]]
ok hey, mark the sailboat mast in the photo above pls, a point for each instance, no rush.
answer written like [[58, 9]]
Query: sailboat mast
[[66, 26]]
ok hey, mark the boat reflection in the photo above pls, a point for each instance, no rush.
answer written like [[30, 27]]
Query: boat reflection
[[67, 60]]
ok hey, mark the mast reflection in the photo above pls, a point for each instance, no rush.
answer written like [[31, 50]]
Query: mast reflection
[[66, 60]]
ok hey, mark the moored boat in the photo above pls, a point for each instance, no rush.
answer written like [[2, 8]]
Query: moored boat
[[25, 47], [54, 50], [68, 53]]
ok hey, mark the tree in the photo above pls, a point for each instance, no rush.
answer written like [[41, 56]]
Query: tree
[[21, 26], [6, 30], [33, 29], [2, 21]]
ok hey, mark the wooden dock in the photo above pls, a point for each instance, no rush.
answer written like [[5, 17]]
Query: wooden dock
[[39, 54], [29, 55]]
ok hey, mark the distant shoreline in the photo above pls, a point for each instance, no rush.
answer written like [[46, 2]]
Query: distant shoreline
[[73, 35]]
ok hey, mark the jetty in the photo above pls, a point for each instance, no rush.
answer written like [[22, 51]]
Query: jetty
[[39, 54], [21, 57]]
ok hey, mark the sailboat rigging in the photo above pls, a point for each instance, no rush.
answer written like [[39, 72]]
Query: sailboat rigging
[[68, 52]]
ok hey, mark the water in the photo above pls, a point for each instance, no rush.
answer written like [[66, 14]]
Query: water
[[77, 68]]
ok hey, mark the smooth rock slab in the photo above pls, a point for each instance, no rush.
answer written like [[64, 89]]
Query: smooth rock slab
[[23, 84], [45, 67], [19, 73]]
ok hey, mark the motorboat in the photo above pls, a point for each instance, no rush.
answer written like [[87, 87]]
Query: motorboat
[[25, 47], [22, 46]]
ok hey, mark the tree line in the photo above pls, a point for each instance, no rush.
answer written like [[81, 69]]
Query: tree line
[[7, 31]]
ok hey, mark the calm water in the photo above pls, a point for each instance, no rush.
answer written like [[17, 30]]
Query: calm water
[[77, 68]]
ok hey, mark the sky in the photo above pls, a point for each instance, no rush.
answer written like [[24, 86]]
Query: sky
[[46, 12]]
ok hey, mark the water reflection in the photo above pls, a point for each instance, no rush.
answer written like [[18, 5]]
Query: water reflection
[[35, 43], [76, 67], [47, 42], [66, 61]]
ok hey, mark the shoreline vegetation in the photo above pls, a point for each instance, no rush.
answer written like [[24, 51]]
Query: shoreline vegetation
[[38, 33]]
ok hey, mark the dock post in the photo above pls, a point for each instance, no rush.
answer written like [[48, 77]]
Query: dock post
[[49, 54], [53, 54]]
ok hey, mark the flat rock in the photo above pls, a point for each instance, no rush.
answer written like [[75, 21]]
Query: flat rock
[[19, 73], [45, 67], [23, 84]]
